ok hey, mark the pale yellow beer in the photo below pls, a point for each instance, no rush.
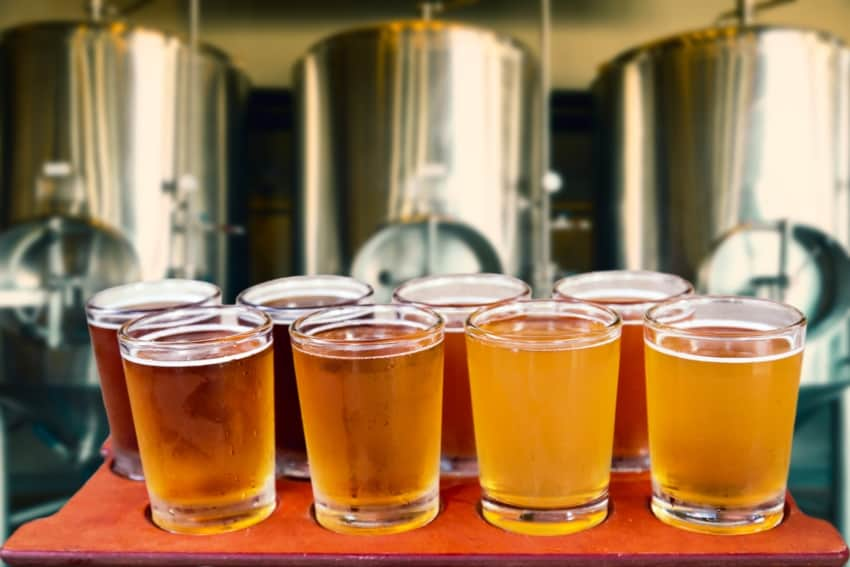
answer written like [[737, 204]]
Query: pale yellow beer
[[543, 376]]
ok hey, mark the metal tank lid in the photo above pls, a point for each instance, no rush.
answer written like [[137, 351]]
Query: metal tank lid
[[415, 26], [117, 28], [712, 36]]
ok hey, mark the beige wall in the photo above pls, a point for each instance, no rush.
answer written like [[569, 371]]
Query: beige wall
[[266, 36]]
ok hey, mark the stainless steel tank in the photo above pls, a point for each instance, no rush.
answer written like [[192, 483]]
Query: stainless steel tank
[[117, 152], [419, 144], [144, 126], [725, 159]]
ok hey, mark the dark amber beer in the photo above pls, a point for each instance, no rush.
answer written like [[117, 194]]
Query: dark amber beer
[[285, 300], [201, 387], [370, 383], [455, 297], [722, 379], [630, 294], [544, 385], [108, 310]]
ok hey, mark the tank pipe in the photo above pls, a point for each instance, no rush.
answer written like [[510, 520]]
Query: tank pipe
[[544, 259]]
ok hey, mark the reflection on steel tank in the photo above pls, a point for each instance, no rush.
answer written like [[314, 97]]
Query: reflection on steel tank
[[117, 163], [725, 160], [419, 153]]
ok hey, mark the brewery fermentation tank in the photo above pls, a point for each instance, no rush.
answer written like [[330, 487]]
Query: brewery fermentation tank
[[118, 150], [725, 158], [419, 145]]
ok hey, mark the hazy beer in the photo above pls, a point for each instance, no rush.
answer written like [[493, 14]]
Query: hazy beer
[[722, 381], [455, 297], [370, 384], [201, 387], [108, 310], [285, 300], [630, 294], [544, 385]]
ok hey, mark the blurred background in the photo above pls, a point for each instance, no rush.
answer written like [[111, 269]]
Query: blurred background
[[242, 141]]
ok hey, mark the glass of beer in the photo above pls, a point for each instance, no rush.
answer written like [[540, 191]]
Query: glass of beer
[[630, 294], [108, 310], [285, 300], [722, 375], [201, 385], [455, 297], [544, 386], [370, 380]]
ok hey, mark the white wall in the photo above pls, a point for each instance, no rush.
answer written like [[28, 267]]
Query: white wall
[[266, 36]]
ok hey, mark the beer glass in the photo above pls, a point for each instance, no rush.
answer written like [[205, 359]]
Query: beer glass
[[455, 297], [543, 375], [285, 300], [630, 294], [201, 385], [105, 312], [370, 383], [722, 375]]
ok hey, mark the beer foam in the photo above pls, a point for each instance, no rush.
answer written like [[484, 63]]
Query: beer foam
[[724, 359], [187, 348]]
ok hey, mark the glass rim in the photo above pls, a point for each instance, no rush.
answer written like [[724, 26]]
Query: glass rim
[[130, 312], [634, 275], [614, 323], [295, 312], [299, 337], [651, 322], [264, 326], [523, 289]]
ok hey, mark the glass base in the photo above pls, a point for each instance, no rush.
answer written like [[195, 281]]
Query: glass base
[[545, 522], [718, 521], [127, 465], [459, 466], [198, 520], [292, 464], [636, 464], [378, 520]]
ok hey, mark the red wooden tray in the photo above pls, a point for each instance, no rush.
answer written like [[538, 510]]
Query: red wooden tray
[[105, 523]]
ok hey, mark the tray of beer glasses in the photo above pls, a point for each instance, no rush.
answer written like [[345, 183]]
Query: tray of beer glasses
[[464, 423]]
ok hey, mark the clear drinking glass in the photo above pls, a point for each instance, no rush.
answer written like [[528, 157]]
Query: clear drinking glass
[[630, 294], [370, 383], [108, 310], [722, 376], [285, 300], [455, 297], [201, 385], [544, 385]]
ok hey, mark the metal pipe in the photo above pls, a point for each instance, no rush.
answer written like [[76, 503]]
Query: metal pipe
[[543, 262], [746, 12]]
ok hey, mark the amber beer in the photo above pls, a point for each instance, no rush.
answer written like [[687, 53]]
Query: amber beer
[[630, 294], [108, 310], [544, 385], [201, 387], [370, 384], [285, 300], [455, 297], [722, 391]]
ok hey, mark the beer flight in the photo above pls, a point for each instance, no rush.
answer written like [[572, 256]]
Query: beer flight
[[462, 375]]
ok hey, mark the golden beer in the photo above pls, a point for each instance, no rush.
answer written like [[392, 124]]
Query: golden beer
[[455, 297], [202, 395], [544, 384], [721, 401], [370, 392]]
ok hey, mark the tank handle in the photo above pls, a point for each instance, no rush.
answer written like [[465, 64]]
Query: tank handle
[[745, 11]]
